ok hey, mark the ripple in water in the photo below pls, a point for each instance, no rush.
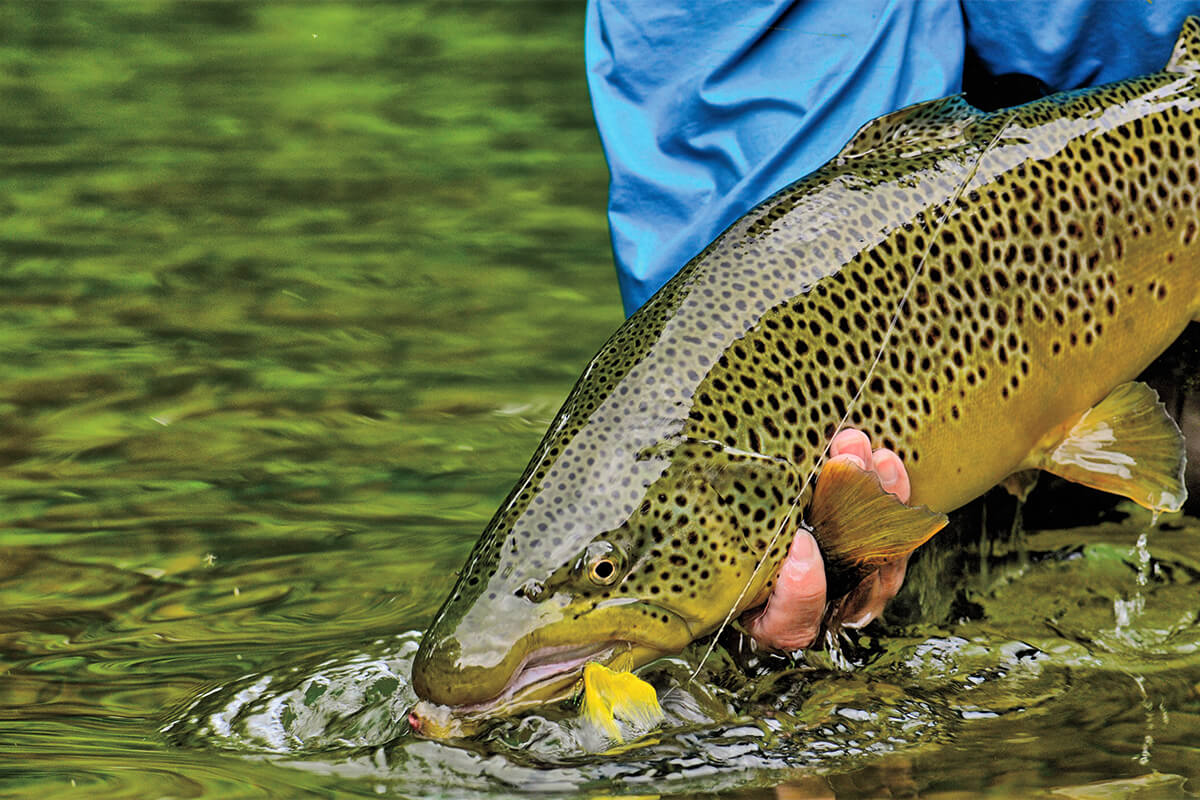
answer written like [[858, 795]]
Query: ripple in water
[[1041, 653], [348, 718]]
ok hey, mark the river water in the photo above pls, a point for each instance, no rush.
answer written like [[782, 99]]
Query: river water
[[290, 293]]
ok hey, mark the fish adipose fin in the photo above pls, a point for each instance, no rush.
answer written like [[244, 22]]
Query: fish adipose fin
[[1186, 55], [610, 694], [859, 526], [931, 125], [1127, 445]]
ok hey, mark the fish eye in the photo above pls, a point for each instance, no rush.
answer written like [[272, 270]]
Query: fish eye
[[601, 562], [603, 571]]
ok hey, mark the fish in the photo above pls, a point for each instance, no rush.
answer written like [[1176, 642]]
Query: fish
[[975, 290]]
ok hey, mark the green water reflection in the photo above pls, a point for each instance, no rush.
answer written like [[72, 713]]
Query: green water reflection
[[290, 292]]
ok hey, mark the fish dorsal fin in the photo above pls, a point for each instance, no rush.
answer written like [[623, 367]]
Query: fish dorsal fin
[[1186, 55], [1125, 444], [859, 526], [930, 125]]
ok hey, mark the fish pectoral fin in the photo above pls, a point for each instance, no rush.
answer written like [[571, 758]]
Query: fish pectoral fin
[[1186, 55], [609, 695], [1126, 444], [859, 526], [934, 123], [1019, 484]]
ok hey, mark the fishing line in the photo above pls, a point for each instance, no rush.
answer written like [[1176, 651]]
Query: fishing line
[[900, 307]]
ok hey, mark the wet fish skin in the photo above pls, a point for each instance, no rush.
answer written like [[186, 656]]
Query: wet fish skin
[[1009, 269]]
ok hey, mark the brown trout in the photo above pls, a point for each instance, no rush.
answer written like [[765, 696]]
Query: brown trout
[[974, 290]]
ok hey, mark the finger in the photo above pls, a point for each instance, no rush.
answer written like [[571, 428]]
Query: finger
[[794, 611], [892, 473], [851, 441], [869, 598], [891, 578], [862, 604]]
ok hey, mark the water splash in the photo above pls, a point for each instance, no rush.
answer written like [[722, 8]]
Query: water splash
[[754, 714], [833, 648], [1128, 612], [1143, 758]]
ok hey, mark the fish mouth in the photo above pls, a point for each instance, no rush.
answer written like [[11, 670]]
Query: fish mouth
[[549, 673], [546, 674], [548, 665]]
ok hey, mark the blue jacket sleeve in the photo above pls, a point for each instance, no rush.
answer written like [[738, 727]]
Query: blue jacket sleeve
[[1069, 44], [704, 109]]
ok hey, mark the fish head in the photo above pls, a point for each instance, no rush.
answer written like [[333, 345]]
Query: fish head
[[622, 570]]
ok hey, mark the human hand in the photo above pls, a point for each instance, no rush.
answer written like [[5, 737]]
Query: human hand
[[792, 616]]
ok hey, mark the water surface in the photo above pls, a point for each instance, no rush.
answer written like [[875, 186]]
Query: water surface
[[290, 293]]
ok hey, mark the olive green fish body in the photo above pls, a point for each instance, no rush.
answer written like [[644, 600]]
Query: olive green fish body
[[961, 285], [1058, 260]]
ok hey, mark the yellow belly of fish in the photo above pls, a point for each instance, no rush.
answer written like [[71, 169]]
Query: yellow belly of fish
[[999, 432]]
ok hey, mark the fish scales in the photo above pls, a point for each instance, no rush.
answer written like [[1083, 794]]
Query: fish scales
[[958, 284], [1072, 237]]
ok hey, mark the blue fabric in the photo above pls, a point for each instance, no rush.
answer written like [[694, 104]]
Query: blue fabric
[[706, 108], [1068, 44]]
